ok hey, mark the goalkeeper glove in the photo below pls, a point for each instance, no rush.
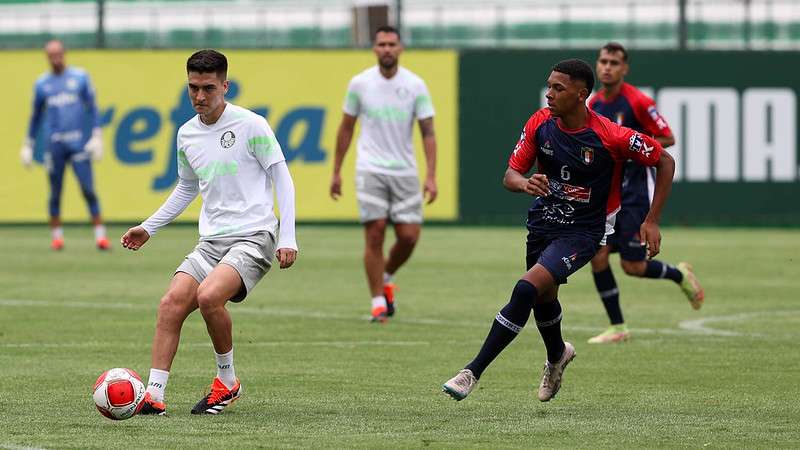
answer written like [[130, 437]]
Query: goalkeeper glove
[[95, 144]]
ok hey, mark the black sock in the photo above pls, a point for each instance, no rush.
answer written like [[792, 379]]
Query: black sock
[[508, 323], [657, 269], [609, 294], [548, 321]]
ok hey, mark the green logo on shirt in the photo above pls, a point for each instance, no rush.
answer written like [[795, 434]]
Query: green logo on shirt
[[217, 169], [388, 114]]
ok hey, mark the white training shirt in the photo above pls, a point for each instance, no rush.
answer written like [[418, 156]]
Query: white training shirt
[[233, 163], [387, 109]]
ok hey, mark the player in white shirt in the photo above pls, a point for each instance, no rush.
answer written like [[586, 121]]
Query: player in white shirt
[[231, 157], [388, 99]]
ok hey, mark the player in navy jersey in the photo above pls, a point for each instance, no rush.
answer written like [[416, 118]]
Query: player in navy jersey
[[627, 106], [64, 104], [579, 156]]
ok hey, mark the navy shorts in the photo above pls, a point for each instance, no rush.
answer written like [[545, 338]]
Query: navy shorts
[[625, 238], [561, 255]]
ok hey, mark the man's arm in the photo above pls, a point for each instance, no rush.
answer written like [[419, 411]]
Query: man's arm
[[429, 144], [649, 231], [36, 114], [284, 191], [536, 185], [95, 144], [180, 198], [26, 153], [343, 138], [666, 141]]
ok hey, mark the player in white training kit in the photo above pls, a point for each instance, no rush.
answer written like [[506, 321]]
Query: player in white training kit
[[231, 157], [387, 98]]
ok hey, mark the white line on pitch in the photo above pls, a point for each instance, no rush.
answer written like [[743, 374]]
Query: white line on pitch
[[692, 326], [342, 344], [18, 447], [701, 325]]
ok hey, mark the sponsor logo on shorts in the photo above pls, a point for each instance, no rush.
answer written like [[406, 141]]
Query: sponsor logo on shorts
[[568, 260], [228, 139]]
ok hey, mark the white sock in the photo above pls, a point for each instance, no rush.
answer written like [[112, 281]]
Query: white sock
[[225, 370], [387, 277], [378, 302], [99, 232], [157, 384], [57, 232]]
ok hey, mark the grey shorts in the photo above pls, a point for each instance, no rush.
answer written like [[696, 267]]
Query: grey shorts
[[250, 255], [381, 196]]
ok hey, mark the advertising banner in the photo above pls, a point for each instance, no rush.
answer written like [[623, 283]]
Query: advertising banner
[[142, 100]]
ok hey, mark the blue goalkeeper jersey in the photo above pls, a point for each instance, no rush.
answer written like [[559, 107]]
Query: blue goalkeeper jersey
[[65, 105]]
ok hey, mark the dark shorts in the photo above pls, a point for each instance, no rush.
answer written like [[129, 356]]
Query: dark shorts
[[561, 255], [625, 238]]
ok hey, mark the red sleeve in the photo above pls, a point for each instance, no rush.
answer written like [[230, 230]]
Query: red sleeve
[[524, 155], [624, 143], [592, 100], [644, 108]]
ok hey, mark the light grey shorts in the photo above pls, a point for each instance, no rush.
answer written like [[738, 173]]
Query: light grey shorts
[[381, 196], [250, 255]]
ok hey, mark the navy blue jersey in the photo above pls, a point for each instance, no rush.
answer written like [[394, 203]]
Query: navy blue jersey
[[633, 109], [583, 168], [67, 103]]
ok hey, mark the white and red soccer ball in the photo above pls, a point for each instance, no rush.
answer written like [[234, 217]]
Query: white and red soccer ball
[[119, 394]]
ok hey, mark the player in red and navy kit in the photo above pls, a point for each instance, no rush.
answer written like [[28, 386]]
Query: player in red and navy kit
[[579, 156], [622, 103]]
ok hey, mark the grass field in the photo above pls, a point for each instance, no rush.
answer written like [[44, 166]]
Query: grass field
[[316, 373]]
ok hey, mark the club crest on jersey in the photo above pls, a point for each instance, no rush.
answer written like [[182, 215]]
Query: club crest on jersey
[[228, 139], [588, 155], [72, 84], [402, 92], [547, 149]]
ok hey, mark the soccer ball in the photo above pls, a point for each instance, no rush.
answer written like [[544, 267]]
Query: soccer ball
[[119, 394]]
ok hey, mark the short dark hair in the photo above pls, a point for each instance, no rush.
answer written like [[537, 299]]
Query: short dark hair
[[577, 70], [613, 47], [387, 29], [208, 61]]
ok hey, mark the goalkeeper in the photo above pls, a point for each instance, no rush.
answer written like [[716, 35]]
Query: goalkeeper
[[64, 106]]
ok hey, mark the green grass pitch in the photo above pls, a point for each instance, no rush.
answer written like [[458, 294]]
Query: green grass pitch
[[316, 373]]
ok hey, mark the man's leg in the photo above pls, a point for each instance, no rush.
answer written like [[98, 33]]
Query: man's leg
[[374, 235], [82, 167], [223, 284], [407, 235], [178, 302], [681, 274], [609, 294], [508, 323], [55, 162]]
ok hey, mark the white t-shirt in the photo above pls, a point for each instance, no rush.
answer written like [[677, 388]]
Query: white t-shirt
[[387, 109], [229, 159]]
